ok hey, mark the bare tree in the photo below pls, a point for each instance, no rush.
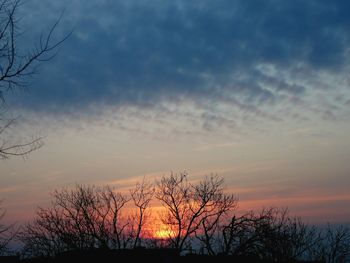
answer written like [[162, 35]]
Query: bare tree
[[82, 218], [223, 206], [115, 202], [281, 237], [332, 245], [3, 230], [238, 236], [201, 213], [189, 207], [270, 235], [7, 232], [141, 196], [16, 66]]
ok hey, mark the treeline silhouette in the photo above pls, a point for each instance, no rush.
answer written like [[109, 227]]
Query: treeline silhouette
[[197, 221]]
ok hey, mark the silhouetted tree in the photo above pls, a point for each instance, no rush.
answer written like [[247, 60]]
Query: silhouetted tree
[[7, 232], [223, 206], [83, 218], [192, 207], [332, 245], [141, 195], [270, 235], [282, 238], [197, 215], [16, 66], [238, 236]]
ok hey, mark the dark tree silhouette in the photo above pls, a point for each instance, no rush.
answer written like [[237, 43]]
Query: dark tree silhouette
[[270, 235], [7, 232], [141, 195], [16, 66], [85, 217], [332, 245], [192, 208], [223, 207], [199, 217]]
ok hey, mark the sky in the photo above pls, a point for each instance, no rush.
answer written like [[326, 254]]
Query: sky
[[254, 91]]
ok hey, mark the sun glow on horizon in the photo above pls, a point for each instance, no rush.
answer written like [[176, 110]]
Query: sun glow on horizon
[[163, 232]]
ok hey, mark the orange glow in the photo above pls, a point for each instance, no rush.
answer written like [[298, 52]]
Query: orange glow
[[163, 233]]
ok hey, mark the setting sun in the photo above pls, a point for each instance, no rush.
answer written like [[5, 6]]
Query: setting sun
[[163, 233], [174, 131]]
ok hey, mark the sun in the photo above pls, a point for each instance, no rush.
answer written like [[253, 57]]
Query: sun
[[163, 233]]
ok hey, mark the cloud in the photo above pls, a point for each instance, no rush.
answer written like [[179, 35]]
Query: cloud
[[267, 60]]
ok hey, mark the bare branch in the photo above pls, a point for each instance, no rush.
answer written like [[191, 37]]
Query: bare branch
[[192, 209], [141, 196], [18, 65]]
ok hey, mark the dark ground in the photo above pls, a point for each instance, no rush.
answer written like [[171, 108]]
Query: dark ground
[[135, 255]]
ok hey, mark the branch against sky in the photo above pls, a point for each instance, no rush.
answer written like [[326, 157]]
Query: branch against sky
[[17, 66], [141, 196], [85, 217], [7, 232], [91, 217], [191, 206]]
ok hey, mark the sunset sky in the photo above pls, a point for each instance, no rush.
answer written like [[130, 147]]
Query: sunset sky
[[257, 92]]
